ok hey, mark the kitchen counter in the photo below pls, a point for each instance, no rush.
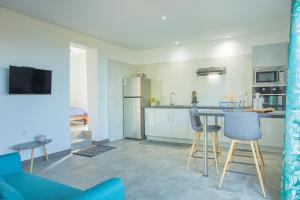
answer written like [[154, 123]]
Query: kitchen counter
[[274, 114], [191, 106], [172, 124]]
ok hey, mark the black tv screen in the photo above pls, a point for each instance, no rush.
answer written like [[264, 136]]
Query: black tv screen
[[28, 80]]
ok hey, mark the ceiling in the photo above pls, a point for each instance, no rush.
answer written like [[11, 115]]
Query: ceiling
[[138, 24]]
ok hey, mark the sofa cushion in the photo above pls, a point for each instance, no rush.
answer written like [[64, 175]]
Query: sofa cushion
[[10, 164], [7, 192], [33, 187]]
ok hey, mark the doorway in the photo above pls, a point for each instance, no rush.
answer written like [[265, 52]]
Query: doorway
[[81, 136]]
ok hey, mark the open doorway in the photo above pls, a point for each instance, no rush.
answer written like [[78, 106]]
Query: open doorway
[[81, 136]]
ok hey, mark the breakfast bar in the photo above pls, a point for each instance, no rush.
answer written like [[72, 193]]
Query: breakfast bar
[[220, 113], [172, 123]]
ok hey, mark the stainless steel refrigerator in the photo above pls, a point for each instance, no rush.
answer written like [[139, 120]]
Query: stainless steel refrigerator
[[136, 95]]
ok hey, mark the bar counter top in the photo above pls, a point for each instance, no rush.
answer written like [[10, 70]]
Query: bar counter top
[[219, 111]]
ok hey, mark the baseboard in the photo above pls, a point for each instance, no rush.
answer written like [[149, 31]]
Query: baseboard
[[94, 142], [53, 156]]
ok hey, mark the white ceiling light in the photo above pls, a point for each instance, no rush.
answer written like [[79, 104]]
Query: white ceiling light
[[164, 18], [226, 36], [177, 43]]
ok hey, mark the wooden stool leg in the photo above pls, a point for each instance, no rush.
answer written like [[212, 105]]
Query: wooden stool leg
[[259, 158], [227, 162], [198, 135], [31, 161], [45, 152], [214, 135], [258, 169], [218, 144], [260, 154], [231, 156], [192, 150]]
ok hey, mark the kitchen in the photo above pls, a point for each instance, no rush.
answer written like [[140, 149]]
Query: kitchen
[[264, 71]]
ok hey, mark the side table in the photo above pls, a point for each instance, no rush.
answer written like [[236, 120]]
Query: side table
[[32, 146]]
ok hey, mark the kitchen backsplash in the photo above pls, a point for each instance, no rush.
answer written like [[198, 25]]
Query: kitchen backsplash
[[181, 78]]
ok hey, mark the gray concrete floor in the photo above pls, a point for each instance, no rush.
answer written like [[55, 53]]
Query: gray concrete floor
[[158, 172]]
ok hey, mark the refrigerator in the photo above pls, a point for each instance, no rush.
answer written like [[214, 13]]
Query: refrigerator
[[136, 95]]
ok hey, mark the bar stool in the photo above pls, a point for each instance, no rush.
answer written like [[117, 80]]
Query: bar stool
[[198, 128], [243, 127]]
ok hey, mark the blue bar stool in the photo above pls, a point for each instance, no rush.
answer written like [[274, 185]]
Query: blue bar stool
[[243, 127], [198, 128]]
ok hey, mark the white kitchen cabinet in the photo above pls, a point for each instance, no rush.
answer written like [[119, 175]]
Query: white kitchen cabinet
[[150, 122], [180, 123], [163, 122], [174, 123], [271, 55], [272, 132], [168, 123]]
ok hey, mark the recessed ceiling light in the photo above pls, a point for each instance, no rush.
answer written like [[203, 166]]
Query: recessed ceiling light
[[177, 43], [163, 18]]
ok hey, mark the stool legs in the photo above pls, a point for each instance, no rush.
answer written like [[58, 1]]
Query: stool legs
[[192, 149], [258, 168], [257, 161], [227, 162], [215, 146], [259, 153]]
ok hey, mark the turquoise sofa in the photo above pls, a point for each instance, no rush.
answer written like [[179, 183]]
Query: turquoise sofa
[[18, 185]]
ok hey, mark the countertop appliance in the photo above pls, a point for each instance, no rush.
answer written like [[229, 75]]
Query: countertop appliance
[[269, 76], [136, 95]]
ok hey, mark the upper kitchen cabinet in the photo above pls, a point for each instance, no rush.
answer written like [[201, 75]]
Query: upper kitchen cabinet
[[271, 55]]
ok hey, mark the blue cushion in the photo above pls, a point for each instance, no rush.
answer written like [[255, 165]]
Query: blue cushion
[[7, 192], [10, 164], [210, 128], [1, 178], [35, 188], [112, 189]]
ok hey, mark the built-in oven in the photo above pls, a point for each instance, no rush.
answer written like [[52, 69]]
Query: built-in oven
[[273, 97], [269, 76]]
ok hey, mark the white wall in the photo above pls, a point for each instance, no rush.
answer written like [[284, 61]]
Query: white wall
[[181, 78], [78, 79], [210, 49], [117, 71], [30, 42]]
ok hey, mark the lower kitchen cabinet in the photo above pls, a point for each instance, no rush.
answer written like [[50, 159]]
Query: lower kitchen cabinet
[[169, 123], [174, 123], [150, 122], [179, 121], [163, 122]]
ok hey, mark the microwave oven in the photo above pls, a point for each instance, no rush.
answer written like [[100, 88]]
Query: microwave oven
[[270, 76]]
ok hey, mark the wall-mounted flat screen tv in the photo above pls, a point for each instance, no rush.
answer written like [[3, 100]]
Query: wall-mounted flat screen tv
[[28, 80]]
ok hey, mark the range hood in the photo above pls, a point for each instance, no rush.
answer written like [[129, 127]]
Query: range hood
[[211, 70]]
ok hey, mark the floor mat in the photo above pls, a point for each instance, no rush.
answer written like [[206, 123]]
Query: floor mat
[[93, 150]]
